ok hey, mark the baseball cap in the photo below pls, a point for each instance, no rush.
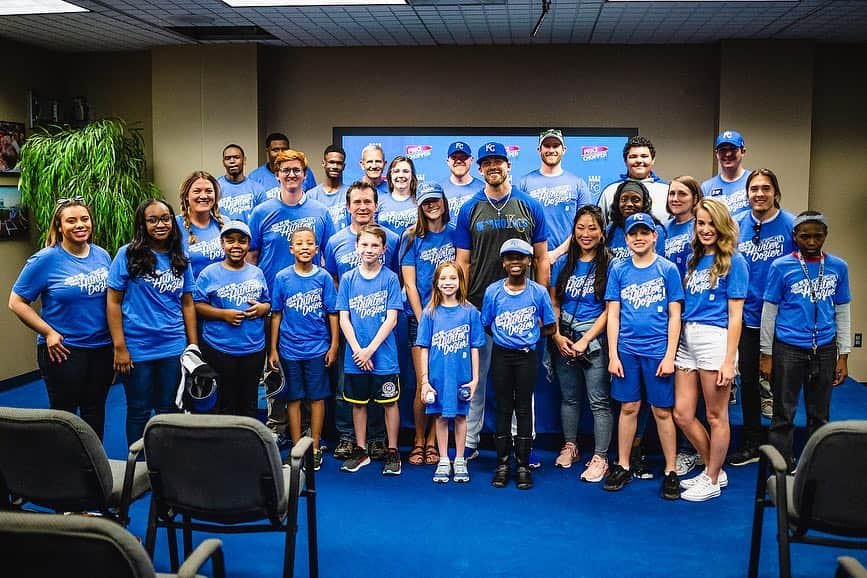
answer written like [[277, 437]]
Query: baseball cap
[[639, 219], [516, 246], [731, 137], [459, 147], [427, 191], [552, 133], [491, 149], [236, 227]]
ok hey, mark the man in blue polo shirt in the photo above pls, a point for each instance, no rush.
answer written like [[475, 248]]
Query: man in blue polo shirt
[[729, 186]]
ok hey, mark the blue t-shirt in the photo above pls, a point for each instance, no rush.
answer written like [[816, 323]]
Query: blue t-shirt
[[72, 290], [644, 295], [450, 334], [153, 321], [775, 240], [306, 301], [789, 289], [733, 194], [268, 180], [424, 255], [231, 289], [367, 301], [579, 298], [272, 224], [514, 319], [457, 195], [561, 196], [678, 243], [620, 251], [710, 306], [238, 199], [206, 250], [335, 203], [396, 216], [340, 255]]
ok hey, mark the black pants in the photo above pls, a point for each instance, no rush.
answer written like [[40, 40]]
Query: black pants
[[238, 381], [514, 374], [751, 401], [795, 368], [79, 384]]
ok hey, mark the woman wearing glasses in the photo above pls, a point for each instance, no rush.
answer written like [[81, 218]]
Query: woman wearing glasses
[[200, 221], [765, 234], [151, 314], [73, 343], [578, 295]]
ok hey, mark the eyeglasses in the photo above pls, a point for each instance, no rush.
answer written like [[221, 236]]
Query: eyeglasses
[[291, 171], [63, 201], [757, 233], [165, 220]]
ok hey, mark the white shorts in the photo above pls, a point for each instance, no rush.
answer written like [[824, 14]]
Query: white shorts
[[701, 347]]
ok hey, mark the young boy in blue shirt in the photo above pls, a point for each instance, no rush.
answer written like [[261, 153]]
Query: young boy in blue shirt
[[805, 339], [644, 296], [304, 335], [368, 301]]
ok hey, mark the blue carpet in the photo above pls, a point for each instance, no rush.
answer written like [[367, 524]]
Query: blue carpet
[[408, 526]]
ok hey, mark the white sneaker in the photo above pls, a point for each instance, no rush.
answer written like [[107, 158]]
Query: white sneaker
[[702, 490], [568, 456], [462, 475], [767, 408], [686, 462], [597, 469], [444, 469], [722, 480]]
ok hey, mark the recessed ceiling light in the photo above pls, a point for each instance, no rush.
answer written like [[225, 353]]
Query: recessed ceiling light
[[269, 3], [719, 1], [18, 7]]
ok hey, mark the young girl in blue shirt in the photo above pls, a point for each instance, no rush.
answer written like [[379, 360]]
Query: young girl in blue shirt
[[73, 343], [630, 198], [151, 314]]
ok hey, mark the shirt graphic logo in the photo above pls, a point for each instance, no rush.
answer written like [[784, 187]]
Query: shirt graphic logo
[[437, 255], [828, 288], [549, 196], [211, 249], [737, 200], [369, 305], [516, 322], [645, 294], [766, 249], [237, 204], [518, 223], [289, 226], [166, 281], [306, 302], [90, 283], [698, 282], [240, 293], [575, 284], [452, 340], [399, 219], [677, 244]]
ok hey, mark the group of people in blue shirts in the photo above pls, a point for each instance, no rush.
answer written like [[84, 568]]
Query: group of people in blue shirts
[[311, 284]]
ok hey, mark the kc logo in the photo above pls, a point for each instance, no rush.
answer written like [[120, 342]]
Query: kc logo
[[490, 147]]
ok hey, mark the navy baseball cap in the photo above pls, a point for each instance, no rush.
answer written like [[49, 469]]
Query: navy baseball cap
[[460, 147], [516, 246], [236, 227], [731, 137], [427, 191], [639, 219], [492, 149]]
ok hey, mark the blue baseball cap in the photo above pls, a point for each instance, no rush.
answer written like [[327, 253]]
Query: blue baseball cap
[[460, 147], [639, 219], [427, 191], [731, 137], [516, 246], [236, 227], [491, 149]]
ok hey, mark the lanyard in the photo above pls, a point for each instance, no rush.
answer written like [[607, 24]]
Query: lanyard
[[814, 295]]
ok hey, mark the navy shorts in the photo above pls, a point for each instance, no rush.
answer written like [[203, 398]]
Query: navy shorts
[[306, 378], [361, 388], [638, 372]]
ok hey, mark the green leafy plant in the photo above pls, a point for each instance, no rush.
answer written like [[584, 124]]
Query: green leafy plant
[[103, 162]]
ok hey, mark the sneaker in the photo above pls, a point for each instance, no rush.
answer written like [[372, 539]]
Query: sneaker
[[685, 462], [470, 453], [462, 475], [378, 450], [768, 407], [444, 469], [568, 456], [597, 469], [671, 486], [356, 461], [701, 491], [747, 455], [722, 480], [617, 478], [639, 466], [343, 451], [392, 463], [535, 462], [317, 459]]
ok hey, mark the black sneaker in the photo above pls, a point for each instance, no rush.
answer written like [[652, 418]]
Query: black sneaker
[[377, 450], [671, 486], [617, 478], [343, 451], [356, 461], [639, 466], [747, 455], [392, 463]]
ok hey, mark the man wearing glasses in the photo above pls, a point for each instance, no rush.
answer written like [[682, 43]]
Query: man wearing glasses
[[729, 186], [266, 175]]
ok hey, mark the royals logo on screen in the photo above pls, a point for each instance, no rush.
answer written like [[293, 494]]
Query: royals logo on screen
[[418, 151], [594, 183], [594, 153]]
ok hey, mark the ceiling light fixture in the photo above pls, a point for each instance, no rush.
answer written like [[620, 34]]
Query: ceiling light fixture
[[20, 7], [277, 3], [546, 5]]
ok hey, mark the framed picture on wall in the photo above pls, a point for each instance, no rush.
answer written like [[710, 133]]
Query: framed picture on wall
[[11, 141], [13, 221]]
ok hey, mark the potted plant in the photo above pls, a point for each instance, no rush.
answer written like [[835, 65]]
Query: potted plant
[[102, 162]]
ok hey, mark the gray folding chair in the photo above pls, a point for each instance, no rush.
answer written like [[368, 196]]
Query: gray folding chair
[[827, 493], [50, 545], [223, 474], [53, 459]]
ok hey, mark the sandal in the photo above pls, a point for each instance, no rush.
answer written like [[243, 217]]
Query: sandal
[[431, 455], [416, 456]]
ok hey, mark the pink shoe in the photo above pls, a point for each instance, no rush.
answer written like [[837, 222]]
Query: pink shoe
[[597, 469], [568, 456]]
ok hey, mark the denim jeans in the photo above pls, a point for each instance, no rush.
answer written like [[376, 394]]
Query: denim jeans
[[794, 368], [476, 415], [575, 380], [150, 386]]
